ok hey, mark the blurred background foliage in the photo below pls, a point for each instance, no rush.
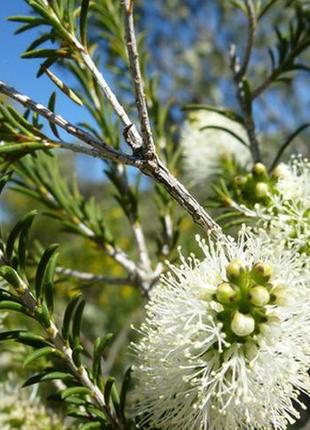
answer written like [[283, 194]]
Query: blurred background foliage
[[185, 51]]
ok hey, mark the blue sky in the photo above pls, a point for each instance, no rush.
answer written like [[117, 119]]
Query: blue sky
[[21, 74]]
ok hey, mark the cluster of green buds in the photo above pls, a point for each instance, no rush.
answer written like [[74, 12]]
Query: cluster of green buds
[[256, 186], [244, 297]]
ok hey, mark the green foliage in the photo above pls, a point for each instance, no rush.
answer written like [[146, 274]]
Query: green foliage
[[41, 178], [290, 44], [121, 238], [62, 351], [20, 136]]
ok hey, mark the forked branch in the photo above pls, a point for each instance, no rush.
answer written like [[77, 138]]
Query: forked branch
[[155, 168]]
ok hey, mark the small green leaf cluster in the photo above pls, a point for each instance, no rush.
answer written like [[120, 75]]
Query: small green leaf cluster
[[60, 18], [40, 178], [21, 135], [291, 43]]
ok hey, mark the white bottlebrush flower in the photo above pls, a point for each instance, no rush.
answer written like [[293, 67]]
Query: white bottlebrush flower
[[21, 409], [287, 217], [203, 150], [225, 344]]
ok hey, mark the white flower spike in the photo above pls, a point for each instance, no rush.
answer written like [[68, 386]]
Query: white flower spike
[[203, 150], [224, 345], [21, 409], [287, 217]]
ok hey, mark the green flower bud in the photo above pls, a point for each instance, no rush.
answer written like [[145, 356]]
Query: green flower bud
[[280, 295], [240, 181], [261, 272], [259, 170], [261, 190], [235, 271], [259, 296], [225, 293], [242, 324]]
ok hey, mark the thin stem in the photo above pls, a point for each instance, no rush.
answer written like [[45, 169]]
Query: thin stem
[[80, 149], [136, 275], [286, 144], [168, 226], [91, 277], [105, 150], [137, 230], [144, 258], [141, 277], [250, 129], [135, 69], [159, 172], [61, 345], [239, 74], [227, 130], [74, 147], [135, 140], [252, 22], [121, 257]]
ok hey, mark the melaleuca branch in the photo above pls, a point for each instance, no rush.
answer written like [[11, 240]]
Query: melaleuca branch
[[93, 278], [36, 302], [155, 169], [106, 151], [78, 52], [286, 57], [252, 25], [84, 217], [137, 80], [82, 51], [129, 203], [243, 90]]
